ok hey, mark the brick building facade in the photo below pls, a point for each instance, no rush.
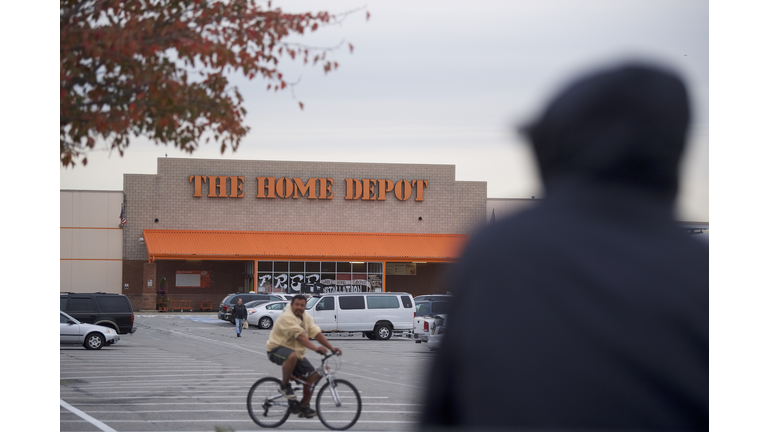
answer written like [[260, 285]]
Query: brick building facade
[[414, 201]]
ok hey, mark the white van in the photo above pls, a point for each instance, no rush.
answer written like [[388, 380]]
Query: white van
[[376, 315]]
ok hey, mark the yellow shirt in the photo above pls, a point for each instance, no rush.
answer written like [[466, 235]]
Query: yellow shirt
[[288, 327]]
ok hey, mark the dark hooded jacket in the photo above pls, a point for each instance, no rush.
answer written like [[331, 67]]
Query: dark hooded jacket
[[590, 310]]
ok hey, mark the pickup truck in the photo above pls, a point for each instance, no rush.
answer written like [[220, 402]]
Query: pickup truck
[[423, 326], [436, 331]]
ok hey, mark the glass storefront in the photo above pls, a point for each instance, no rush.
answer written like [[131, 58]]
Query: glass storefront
[[314, 277]]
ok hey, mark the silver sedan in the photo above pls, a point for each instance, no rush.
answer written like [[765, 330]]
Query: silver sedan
[[92, 337], [264, 315]]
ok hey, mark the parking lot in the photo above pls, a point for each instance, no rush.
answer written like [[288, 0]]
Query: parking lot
[[189, 372]]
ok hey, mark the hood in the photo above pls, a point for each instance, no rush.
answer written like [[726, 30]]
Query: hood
[[625, 125], [92, 327]]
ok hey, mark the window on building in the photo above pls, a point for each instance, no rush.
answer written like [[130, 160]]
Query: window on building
[[314, 277]]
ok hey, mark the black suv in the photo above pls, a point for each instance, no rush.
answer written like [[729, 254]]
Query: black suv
[[427, 305], [104, 309], [225, 308]]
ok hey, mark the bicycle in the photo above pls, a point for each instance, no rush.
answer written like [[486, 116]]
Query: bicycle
[[338, 402]]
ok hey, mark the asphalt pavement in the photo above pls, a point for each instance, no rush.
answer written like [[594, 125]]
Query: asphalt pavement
[[189, 372]]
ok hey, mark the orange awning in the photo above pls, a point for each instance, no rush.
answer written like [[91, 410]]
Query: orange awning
[[302, 246]]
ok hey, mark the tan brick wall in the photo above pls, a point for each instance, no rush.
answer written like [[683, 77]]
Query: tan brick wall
[[450, 207]]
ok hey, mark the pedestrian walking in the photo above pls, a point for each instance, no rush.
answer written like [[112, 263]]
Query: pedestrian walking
[[590, 310], [240, 313]]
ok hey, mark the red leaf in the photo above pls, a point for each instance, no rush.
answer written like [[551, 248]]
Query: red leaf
[[301, 105]]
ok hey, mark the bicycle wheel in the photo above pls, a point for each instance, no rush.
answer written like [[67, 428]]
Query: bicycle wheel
[[341, 415], [266, 406]]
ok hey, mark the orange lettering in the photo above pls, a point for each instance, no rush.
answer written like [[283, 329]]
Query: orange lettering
[[284, 187], [217, 183], [307, 190], [267, 183], [353, 185], [325, 191], [402, 190], [199, 180], [368, 189], [420, 185], [235, 186], [384, 189]]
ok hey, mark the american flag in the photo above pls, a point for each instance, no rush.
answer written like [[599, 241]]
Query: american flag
[[122, 217]]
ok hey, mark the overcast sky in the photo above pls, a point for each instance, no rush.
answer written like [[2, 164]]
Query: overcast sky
[[447, 83]]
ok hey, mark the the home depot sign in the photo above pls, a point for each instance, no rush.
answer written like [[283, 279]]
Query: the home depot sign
[[313, 188]]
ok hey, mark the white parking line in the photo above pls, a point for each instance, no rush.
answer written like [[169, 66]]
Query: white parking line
[[112, 377], [234, 411], [86, 417], [238, 397], [224, 369], [152, 383], [118, 359], [219, 342], [110, 403], [204, 391], [374, 379], [231, 421]]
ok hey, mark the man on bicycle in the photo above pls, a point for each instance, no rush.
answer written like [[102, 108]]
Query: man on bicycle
[[288, 340]]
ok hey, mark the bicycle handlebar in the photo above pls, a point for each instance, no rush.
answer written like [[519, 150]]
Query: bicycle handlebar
[[327, 356]]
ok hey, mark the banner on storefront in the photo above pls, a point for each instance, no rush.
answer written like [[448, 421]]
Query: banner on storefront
[[193, 279], [401, 269]]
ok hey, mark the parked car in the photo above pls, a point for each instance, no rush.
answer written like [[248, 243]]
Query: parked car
[[104, 309], [254, 303], [92, 337], [432, 304], [376, 315], [264, 315], [225, 308], [285, 296], [427, 306], [421, 328], [436, 331]]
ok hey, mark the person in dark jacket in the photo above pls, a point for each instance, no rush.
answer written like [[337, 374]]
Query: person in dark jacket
[[240, 313], [588, 311]]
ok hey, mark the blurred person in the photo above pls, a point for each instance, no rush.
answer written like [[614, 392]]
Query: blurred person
[[240, 312], [590, 310]]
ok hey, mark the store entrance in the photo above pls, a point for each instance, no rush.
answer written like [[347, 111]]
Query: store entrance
[[315, 277]]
